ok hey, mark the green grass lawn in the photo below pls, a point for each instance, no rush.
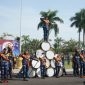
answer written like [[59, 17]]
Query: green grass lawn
[[68, 66]]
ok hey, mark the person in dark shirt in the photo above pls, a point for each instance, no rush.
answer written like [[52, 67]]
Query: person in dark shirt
[[45, 28], [76, 63], [25, 66], [4, 66]]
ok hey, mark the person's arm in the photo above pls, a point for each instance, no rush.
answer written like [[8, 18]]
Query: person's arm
[[4, 57]]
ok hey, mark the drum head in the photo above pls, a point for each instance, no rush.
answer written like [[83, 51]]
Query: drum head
[[39, 53], [50, 54], [50, 72], [45, 46], [47, 63], [53, 63], [38, 72], [31, 72], [35, 64]]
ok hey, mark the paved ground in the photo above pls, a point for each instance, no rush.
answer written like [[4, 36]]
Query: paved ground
[[66, 80]]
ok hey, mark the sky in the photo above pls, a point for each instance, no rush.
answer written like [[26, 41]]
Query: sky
[[10, 17]]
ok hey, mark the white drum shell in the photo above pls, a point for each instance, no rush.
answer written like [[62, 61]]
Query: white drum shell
[[35, 64], [53, 63], [31, 72], [50, 54], [50, 72], [39, 53], [45, 46], [60, 72], [38, 72]]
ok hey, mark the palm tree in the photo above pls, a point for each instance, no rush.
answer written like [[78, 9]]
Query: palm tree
[[76, 21], [51, 15], [58, 44], [82, 12], [6, 35], [25, 40], [34, 45]]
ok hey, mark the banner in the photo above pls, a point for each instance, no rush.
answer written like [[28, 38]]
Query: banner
[[13, 44]]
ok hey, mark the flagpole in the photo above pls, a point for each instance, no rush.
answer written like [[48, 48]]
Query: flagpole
[[20, 22]]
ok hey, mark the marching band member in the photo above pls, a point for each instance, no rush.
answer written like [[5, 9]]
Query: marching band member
[[25, 66], [76, 63], [57, 65], [45, 28], [82, 64], [4, 66], [43, 67], [10, 57]]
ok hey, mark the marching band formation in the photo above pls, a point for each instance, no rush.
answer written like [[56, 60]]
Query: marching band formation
[[46, 63]]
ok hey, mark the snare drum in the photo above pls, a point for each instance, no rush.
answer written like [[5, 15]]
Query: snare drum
[[50, 54], [39, 53], [45, 46], [50, 72], [31, 72], [35, 63]]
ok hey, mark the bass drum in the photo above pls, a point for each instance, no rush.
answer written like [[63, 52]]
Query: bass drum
[[45, 46], [31, 73], [35, 64], [47, 63], [50, 54], [50, 72], [38, 72], [53, 63], [61, 72], [39, 53]]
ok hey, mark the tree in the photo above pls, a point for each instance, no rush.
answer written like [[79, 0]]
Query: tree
[[5, 35], [51, 15], [34, 45], [76, 21], [58, 44], [70, 45], [25, 41], [79, 22], [82, 12]]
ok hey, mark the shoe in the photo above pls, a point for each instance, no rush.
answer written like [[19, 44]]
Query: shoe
[[43, 77], [1, 81], [57, 76], [4, 81], [81, 76]]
